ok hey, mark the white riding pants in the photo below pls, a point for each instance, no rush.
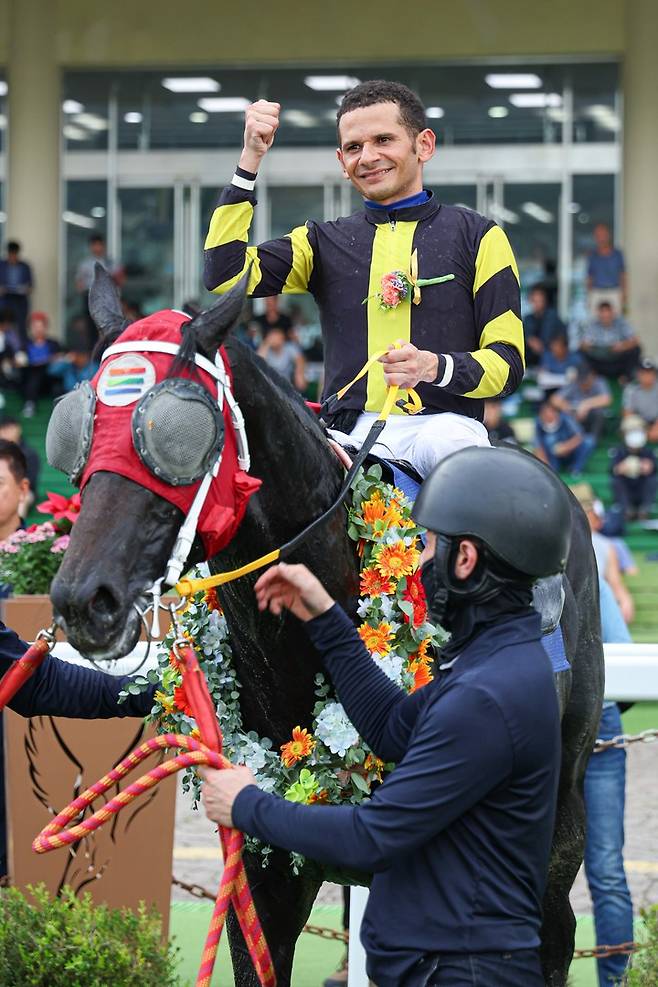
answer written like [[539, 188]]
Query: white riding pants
[[422, 440]]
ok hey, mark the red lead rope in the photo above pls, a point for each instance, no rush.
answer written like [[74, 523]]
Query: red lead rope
[[234, 887]]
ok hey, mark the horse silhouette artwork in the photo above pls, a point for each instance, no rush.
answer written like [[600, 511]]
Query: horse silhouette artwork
[[130, 526]]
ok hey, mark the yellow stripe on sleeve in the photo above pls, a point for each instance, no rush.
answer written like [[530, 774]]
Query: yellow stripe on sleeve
[[494, 255], [254, 277], [302, 262], [391, 251], [229, 223], [505, 328], [494, 378]]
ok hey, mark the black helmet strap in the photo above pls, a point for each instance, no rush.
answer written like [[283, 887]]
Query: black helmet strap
[[485, 582]]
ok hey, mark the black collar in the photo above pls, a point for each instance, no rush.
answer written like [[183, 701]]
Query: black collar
[[410, 214]]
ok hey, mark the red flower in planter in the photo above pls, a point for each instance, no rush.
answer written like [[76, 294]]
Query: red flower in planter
[[60, 507]]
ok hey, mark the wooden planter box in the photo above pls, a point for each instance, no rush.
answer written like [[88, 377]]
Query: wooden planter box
[[48, 761]]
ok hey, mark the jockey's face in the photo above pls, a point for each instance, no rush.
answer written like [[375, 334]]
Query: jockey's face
[[378, 154]]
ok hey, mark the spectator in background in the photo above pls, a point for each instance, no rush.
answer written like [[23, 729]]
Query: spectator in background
[[605, 797], [606, 273], [610, 344], [84, 276], [14, 489], [272, 318], [560, 441], [607, 560], [70, 369], [557, 364], [284, 356], [40, 352], [9, 350], [11, 430], [498, 429], [634, 480], [540, 325], [641, 397], [586, 399], [15, 287]]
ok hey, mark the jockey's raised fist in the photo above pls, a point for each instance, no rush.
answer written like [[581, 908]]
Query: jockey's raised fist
[[261, 124]]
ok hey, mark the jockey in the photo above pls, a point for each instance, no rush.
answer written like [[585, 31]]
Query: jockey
[[436, 287], [458, 835]]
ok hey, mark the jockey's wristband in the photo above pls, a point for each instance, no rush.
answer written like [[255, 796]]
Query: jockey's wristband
[[244, 179], [445, 370]]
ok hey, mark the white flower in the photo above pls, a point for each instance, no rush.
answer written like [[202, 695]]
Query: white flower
[[335, 730], [388, 607], [364, 607], [391, 666]]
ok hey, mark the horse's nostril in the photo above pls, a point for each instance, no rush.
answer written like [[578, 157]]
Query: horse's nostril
[[104, 603]]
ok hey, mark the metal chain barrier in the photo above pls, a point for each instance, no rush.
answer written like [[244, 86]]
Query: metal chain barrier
[[197, 891], [601, 952], [624, 740]]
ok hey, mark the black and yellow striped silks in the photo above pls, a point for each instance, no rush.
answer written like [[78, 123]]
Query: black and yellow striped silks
[[472, 322]]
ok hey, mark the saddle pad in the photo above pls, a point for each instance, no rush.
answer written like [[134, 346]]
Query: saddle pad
[[554, 648]]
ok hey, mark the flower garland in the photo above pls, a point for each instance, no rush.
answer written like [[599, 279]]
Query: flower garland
[[325, 760]]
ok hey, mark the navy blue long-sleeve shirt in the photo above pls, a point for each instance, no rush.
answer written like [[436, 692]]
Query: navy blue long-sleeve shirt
[[58, 688], [459, 834]]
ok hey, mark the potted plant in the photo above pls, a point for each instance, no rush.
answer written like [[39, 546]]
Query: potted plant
[[29, 560]]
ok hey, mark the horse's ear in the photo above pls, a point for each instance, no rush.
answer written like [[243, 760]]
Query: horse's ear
[[212, 326], [104, 302]]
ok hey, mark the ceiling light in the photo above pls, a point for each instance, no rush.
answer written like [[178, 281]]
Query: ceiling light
[[556, 114], [537, 212], [603, 116], [98, 212], [91, 121], [434, 112], [574, 207], [535, 100], [72, 106], [198, 116], [77, 219], [73, 133], [223, 104], [299, 118], [513, 80], [497, 112], [331, 83], [133, 117], [504, 215], [193, 84], [3, 87]]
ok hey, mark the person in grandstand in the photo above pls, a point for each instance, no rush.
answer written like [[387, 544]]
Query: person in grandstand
[[458, 836], [457, 339]]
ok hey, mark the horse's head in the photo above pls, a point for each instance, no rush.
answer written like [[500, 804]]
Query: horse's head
[[151, 441]]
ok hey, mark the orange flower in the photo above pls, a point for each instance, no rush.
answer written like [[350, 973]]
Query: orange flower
[[181, 701], [421, 653], [374, 584], [377, 638], [322, 796], [395, 561], [211, 599], [374, 765], [374, 509], [300, 746], [415, 594], [421, 672]]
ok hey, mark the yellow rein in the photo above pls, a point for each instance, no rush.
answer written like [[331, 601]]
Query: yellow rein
[[188, 587]]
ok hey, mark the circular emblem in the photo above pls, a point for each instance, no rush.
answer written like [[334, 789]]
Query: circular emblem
[[125, 379]]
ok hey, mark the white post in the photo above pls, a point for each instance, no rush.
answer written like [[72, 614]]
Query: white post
[[357, 976]]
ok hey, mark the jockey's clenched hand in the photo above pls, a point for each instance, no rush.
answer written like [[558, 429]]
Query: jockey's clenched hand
[[407, 365]]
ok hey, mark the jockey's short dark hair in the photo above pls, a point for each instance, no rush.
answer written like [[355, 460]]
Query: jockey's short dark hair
[[412, 111], [14, 457]]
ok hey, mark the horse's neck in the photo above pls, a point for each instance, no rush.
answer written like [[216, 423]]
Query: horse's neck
[[301, 478]]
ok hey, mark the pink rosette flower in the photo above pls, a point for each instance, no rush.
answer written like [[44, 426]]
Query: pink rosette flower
[[60, 544], [394, 289]]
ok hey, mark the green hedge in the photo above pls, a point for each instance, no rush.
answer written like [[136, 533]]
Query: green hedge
[[70, 942]]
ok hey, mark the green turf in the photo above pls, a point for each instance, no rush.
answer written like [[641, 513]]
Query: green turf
[[315, 958], [641, 716]]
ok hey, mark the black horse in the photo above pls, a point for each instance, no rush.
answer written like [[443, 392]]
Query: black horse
[[116, 554]]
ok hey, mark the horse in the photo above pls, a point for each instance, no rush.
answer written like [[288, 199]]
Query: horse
[[122, 540]]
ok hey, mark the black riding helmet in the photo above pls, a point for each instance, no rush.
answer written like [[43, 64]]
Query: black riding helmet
[[507, 500]]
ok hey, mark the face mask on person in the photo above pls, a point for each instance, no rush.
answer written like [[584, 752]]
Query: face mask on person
[[635, 438]]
